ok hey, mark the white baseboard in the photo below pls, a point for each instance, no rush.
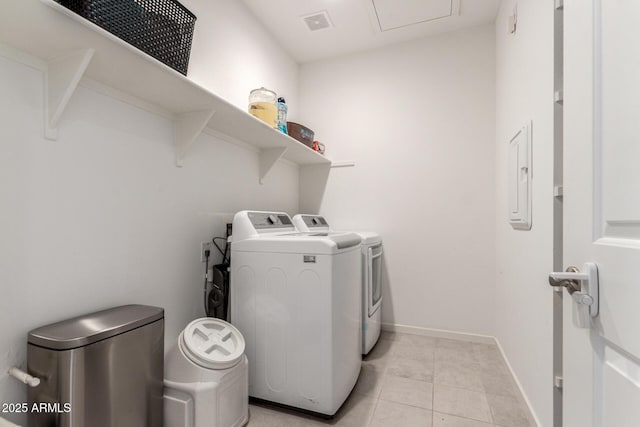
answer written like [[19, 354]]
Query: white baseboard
[[533, 419], [465, 336], [438, 333]]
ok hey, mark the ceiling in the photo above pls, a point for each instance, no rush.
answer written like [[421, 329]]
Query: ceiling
[[358, 25]]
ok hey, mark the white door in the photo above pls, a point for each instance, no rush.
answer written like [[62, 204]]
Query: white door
[[602, 208]]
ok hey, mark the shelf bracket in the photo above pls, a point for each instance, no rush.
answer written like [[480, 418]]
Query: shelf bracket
[[61, 79], [188, 126], [268, 158], [313, 179]]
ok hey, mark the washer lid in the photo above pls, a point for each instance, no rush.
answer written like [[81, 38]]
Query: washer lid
[[212, 343]]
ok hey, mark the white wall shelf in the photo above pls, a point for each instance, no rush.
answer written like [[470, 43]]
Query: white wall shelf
[[74, 48], [348, 164]]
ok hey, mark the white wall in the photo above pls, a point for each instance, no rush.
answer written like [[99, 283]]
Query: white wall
[[102, 217], [418, 120], [524, 301], [233, 53]]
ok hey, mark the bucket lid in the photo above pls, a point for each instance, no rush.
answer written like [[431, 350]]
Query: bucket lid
[[212, 343]]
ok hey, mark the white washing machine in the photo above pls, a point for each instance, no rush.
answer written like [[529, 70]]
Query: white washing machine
[[371, 259], [295, 298]]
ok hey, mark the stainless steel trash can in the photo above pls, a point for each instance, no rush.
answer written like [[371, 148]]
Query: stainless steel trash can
[[103, 369]]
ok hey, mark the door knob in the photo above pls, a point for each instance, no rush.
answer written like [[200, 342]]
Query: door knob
[[583, 285], [569, 279]]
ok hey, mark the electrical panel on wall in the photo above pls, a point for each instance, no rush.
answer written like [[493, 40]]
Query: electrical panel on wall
[[520, 176]]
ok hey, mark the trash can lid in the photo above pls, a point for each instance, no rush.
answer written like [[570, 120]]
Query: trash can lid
[[212, 343], [90, 328]]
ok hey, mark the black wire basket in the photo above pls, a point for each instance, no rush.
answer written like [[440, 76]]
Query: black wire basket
[[161, 28]]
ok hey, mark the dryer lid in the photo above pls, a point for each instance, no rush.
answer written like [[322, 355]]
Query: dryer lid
[[212, 343], [369, 237]]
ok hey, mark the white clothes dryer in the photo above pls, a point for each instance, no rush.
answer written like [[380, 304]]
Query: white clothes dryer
[[371, 259], [295, 298]]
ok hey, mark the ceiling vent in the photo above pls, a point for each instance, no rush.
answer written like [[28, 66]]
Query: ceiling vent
[[317, 21]]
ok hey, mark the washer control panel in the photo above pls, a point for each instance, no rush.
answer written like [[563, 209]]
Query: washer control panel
[[270, 220]]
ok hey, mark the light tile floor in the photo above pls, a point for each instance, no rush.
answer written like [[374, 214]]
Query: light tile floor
[[412, 380]]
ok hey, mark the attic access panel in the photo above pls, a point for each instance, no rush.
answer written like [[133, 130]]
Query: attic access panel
[[394, 14]]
